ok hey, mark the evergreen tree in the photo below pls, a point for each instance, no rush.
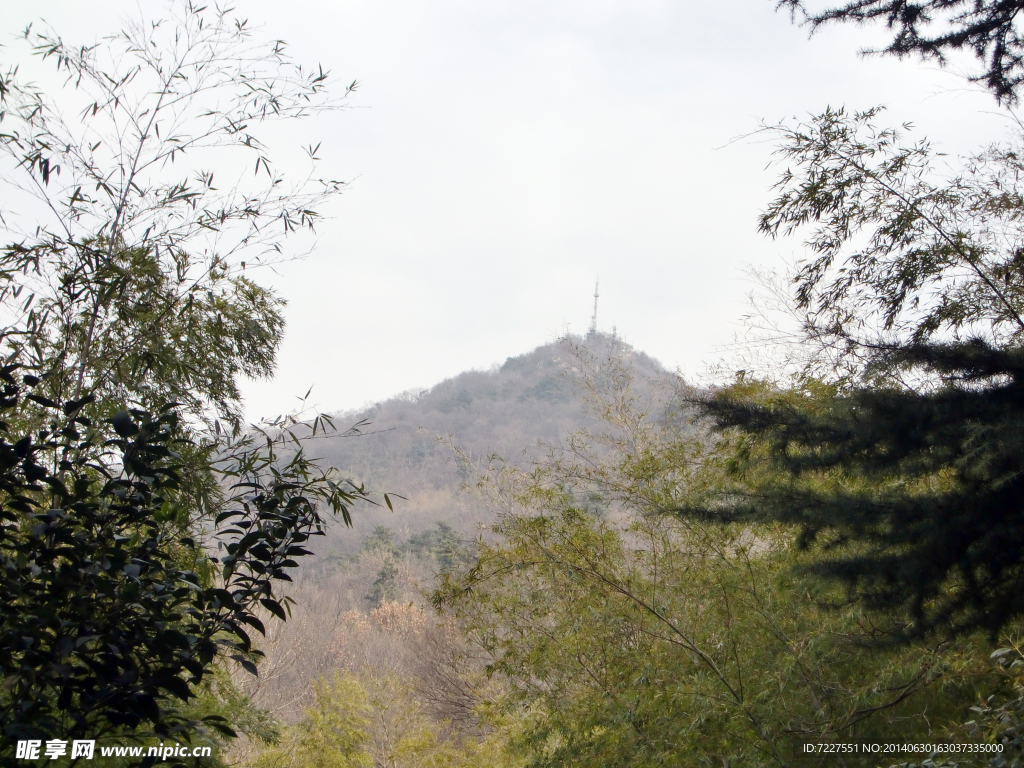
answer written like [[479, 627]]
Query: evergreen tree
[[933, 28], [915, 498]]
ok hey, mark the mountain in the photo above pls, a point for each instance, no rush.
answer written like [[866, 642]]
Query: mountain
[[405, 445], [367, 582]]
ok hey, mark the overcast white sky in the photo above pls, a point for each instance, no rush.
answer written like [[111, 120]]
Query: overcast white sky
[[503, 154]]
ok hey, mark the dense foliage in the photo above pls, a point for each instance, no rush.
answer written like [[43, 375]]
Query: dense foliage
[[903, 468], [111, 619], [143, 540], [633, 637], [913, 497]]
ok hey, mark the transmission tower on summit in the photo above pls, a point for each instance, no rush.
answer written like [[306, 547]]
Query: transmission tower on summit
[[593, 320]]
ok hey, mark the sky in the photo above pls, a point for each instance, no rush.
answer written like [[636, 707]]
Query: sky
[[503, 155]]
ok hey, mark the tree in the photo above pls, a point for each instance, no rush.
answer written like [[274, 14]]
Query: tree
[[333, 732], [898, 253], [137, 559], [913, 497], [897, 451], [128, 278], [632, 637], [373, 717], [110, 620], [932, 29]]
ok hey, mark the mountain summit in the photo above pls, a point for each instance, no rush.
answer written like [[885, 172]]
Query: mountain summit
[[511, 410]]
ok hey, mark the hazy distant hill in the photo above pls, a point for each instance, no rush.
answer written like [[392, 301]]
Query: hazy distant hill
[[507, 410]]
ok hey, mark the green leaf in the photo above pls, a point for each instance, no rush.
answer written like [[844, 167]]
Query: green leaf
[[274, 607]]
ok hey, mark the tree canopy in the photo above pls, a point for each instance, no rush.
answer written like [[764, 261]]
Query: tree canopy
[[901, 251], [157, 199], [114, 612], [913, 498], [896, 452], [629, 636], [144, 527], [932, 29]]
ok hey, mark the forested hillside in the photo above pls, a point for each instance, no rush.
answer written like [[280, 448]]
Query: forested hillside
[[361, 607], [517, 409]]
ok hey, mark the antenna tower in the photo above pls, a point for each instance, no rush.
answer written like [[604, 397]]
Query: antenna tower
[[593, 320]]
